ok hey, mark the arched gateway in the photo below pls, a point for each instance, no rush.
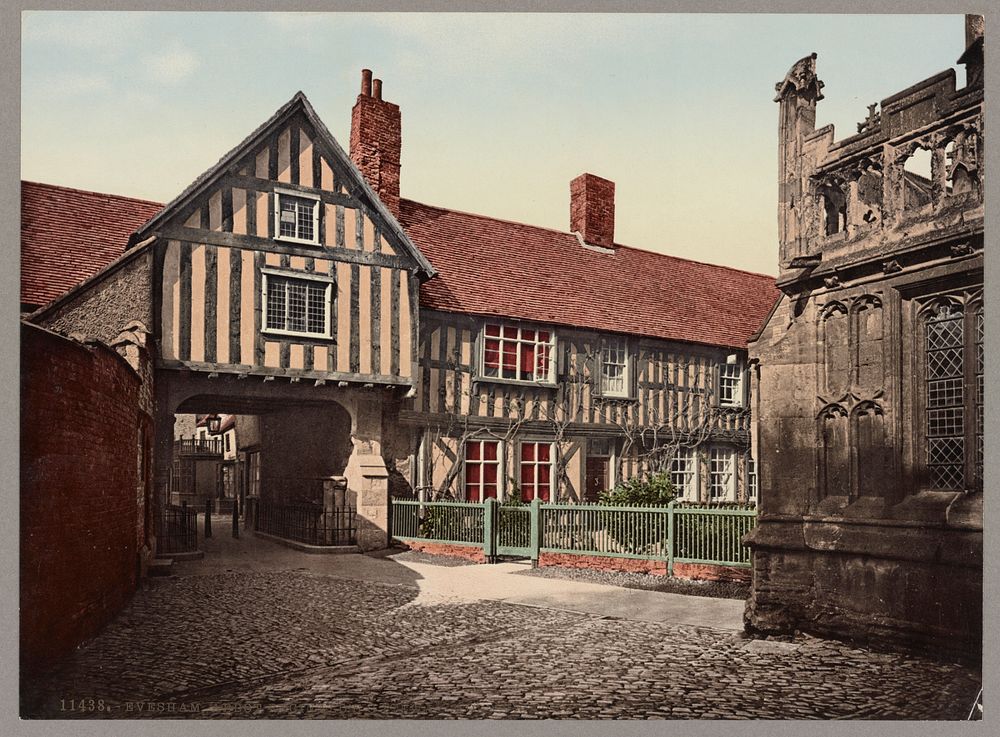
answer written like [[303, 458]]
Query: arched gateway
[[279, 286]]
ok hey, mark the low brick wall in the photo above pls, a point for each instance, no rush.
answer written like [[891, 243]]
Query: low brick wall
[[602, 563], [693, 571], [79, 475], [705, 572], [466, 552]]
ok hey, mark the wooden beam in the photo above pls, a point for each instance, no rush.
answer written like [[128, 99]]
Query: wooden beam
[[257, 243]]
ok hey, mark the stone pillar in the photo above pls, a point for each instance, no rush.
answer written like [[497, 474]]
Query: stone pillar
[[334, 501], [367, 476], [163, 453]]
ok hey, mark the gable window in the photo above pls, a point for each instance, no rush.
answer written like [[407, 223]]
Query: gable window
[[536, 471], [482, 469], [953, 398], [683, 473], [615, 365], [296, 217], [731, 384], [517, 353], [721, 479], [297, 305]]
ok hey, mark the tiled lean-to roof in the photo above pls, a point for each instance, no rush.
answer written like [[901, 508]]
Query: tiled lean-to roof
[[68, 235], [495, 267], [485, 266]]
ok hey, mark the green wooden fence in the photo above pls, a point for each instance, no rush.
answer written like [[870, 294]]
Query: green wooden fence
[[675, 533]]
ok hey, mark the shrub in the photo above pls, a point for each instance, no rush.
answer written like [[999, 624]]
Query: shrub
[[655, 491]]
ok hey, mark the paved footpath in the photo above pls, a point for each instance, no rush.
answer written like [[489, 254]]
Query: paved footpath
[[258, 630]]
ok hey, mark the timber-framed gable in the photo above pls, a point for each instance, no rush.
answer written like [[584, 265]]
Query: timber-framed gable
[[280, 260]]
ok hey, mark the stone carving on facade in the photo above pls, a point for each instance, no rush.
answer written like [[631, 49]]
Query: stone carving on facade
[[873, 120]]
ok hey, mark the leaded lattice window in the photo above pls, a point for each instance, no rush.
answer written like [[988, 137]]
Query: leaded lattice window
[[945, 414], [297, 217], [299, 306]]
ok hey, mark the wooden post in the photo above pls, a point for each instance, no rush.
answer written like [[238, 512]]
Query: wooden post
[[236, 519], [536, 531], [208, 518], [670, 537], [489, 526]]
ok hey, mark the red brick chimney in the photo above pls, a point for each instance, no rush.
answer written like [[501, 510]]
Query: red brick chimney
[[592, 210], [376, 140]]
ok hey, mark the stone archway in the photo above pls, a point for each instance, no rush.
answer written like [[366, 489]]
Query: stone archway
[[309, 433]]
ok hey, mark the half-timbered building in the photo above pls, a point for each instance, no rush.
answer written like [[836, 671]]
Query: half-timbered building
[[404, 348]]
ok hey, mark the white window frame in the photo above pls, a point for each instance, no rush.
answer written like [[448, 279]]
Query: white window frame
[[752, 480], [688, 491], [278, 194], [615, 348], [481, 462], [548, 380], [301, 276], [722, 462], [731, 371], [551, 463]]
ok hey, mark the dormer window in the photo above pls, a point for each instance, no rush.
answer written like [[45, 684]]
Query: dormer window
[[296, 217]]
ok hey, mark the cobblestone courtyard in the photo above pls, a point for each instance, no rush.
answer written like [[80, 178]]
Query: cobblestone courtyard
[[288, 641]]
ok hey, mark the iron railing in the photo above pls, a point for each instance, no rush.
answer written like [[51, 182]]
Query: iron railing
[[674, 533], [307, 523], [177, 530]]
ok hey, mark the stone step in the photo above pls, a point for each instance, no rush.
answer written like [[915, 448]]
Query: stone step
[[160, 567]]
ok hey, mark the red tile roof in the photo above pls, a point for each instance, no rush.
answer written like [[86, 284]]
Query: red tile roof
[[494, 267], [68, 235], [485, 266]]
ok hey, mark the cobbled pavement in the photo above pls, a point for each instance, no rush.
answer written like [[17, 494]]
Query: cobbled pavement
[[296, 644]]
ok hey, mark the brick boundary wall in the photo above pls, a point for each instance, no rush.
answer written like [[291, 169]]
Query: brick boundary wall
[[467, 552], [693, 571], [79, 445]]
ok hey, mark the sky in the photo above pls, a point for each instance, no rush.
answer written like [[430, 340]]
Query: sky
[[500, 111]]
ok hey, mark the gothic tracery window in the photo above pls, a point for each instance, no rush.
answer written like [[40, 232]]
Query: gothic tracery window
[[953, 365]]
